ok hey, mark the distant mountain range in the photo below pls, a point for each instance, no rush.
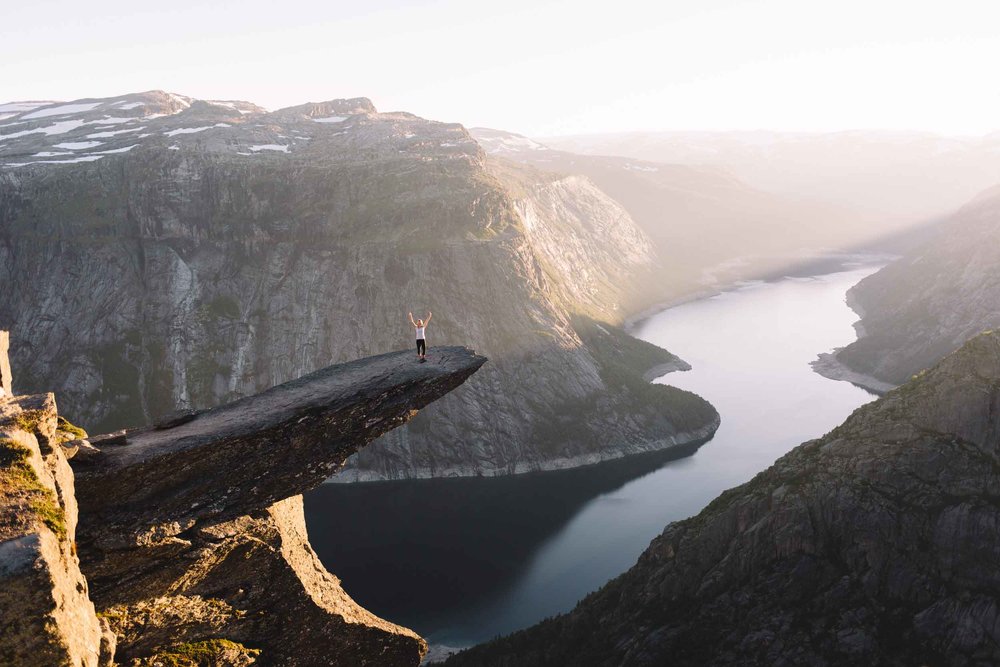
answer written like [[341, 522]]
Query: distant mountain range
[[893, 178], [709, 227]]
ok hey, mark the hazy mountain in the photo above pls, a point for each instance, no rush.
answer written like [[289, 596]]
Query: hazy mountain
[[708, 226], [161, 252], [921, 307], [899, 177], [873, 545]]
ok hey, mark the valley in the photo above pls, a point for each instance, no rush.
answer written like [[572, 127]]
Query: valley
[[464, 560]]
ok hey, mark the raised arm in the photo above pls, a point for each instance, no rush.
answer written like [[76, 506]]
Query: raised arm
[[411, 320], [429, 316]]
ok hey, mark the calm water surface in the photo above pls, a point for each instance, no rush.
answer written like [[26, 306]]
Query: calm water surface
[[464, 560]]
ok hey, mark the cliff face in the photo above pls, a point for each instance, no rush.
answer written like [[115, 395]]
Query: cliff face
[[191, 534], [923, 306], [206, 251], [876, 544]]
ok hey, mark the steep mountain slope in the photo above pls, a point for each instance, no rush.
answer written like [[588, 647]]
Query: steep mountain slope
[[921, 307], [164, 252], [874, 545], [708, 227], [894, 177]]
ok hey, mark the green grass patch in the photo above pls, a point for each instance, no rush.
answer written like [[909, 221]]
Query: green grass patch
[[19, 481], [27, 421], [65, 430], [198, 654]]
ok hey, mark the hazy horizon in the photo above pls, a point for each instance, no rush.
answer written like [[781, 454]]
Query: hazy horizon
[[544, 68]]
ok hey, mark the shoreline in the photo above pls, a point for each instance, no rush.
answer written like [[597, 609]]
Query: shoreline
[[672, 366], [829, 366], [678, 441]]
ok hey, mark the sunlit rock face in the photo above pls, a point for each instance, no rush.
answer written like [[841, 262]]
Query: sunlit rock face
[[192, 529], [48, 618], [926, 304], [876, 544], [185, 253]]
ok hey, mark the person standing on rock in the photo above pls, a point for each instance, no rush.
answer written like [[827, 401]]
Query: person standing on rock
[[421, 326]]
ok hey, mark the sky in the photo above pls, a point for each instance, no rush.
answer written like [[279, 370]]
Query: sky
[[538, 67]]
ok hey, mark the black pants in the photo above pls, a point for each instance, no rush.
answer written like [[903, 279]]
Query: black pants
[[421, 346]]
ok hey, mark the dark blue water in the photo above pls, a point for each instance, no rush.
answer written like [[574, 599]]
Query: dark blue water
[[463, 560]]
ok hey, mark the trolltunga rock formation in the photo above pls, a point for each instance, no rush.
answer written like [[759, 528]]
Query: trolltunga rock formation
[[191, 534]]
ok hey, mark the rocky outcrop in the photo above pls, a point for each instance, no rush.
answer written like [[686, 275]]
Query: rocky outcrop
[[46, 616], [926, 304], [876, 544], [206, 251], [148, 484], [192, 536]]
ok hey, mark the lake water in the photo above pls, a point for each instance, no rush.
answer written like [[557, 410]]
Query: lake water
[[463, 560]]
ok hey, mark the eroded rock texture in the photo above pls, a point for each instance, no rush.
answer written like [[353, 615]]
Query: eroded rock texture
[[874, 545]]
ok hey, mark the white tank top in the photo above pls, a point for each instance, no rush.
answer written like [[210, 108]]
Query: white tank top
[[420, 332]]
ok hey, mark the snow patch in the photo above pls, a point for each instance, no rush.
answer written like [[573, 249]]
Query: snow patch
[[62, 110], [509, 144], [192, 130], [129, 105], [175, 147], [269, 147], [330, 119], [230, 105], [82, 158], [77, 145], [639, 167], [18, 107], [52, 153], [117, 150], [183, 101], [111, 133], [109, 120], [60, 127]]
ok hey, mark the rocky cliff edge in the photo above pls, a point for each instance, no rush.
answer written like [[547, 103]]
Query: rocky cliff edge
[[191, 546]]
